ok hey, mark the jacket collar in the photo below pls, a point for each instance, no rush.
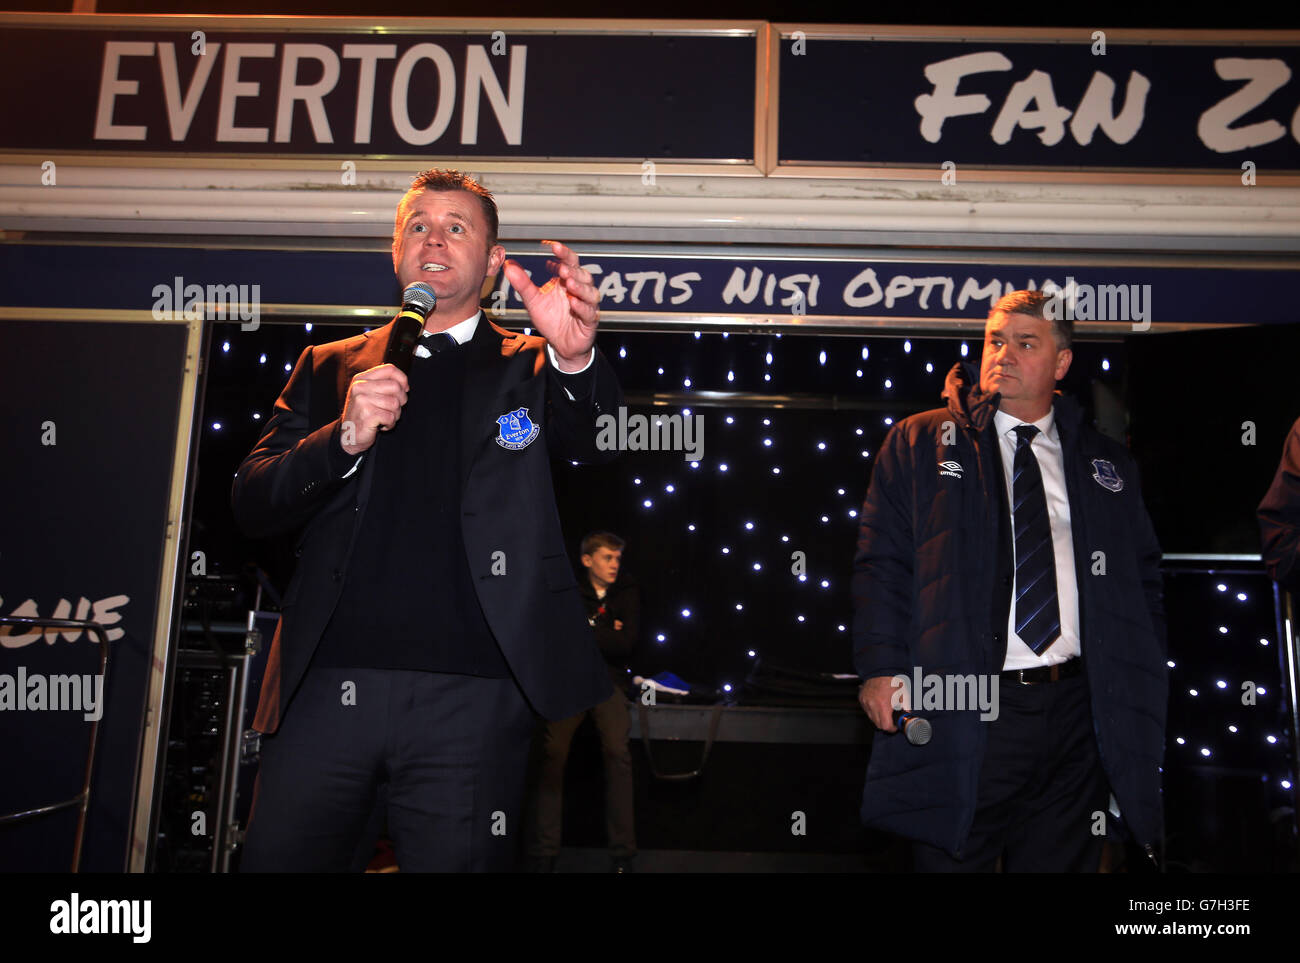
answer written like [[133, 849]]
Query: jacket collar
[[971, 407]]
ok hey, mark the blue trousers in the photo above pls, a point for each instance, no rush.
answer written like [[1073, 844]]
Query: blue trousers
[[441, 756]]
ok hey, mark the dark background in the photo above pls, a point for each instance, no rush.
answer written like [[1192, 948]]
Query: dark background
[[1179, 400]]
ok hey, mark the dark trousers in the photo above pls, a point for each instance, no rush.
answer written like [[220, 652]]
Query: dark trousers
[[1041, 787], [442, 756], [555, 738]]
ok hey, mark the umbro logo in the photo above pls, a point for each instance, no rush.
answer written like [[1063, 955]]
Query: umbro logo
[[951, 468]]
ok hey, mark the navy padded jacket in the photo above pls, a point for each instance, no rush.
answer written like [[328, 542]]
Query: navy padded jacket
[[929, 592]]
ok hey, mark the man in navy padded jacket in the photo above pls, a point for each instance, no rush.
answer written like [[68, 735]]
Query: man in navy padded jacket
[[1006, 564]]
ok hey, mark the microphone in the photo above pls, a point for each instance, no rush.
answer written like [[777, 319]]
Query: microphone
[[916, 729], [418, 301]]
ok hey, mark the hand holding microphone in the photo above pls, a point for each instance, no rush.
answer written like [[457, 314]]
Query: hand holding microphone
[[376, 396], [877, 697]]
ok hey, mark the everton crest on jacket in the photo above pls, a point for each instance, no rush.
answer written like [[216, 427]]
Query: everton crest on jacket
[[932, 589]]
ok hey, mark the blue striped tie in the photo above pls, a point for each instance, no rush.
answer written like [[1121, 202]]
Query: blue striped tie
[[1038, 616]]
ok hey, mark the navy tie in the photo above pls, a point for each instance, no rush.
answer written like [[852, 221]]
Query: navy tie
[[1038, 616], [442, 341]]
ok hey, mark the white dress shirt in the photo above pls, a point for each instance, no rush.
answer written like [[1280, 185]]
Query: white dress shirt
[[1047, 449]]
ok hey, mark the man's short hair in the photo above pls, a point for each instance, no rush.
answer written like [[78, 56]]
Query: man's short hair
[[599, 540], [436, 180], [1033, 304]]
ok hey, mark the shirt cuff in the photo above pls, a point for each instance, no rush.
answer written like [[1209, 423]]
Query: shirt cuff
[[555, 361], [580, 379], [339, 458]]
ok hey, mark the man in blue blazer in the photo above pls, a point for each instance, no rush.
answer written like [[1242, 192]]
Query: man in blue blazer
[[433, 615]]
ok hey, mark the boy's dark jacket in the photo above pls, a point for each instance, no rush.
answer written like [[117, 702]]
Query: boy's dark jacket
[[622, 602], [932, 590]]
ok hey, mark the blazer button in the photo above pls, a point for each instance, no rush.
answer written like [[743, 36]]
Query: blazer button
[[337, 575]]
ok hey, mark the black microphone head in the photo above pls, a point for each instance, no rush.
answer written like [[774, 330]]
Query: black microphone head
[[420, 296], [918, 731]]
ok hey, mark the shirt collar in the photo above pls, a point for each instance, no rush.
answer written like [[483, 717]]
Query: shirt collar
[[463, 331], [1005, 424]]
